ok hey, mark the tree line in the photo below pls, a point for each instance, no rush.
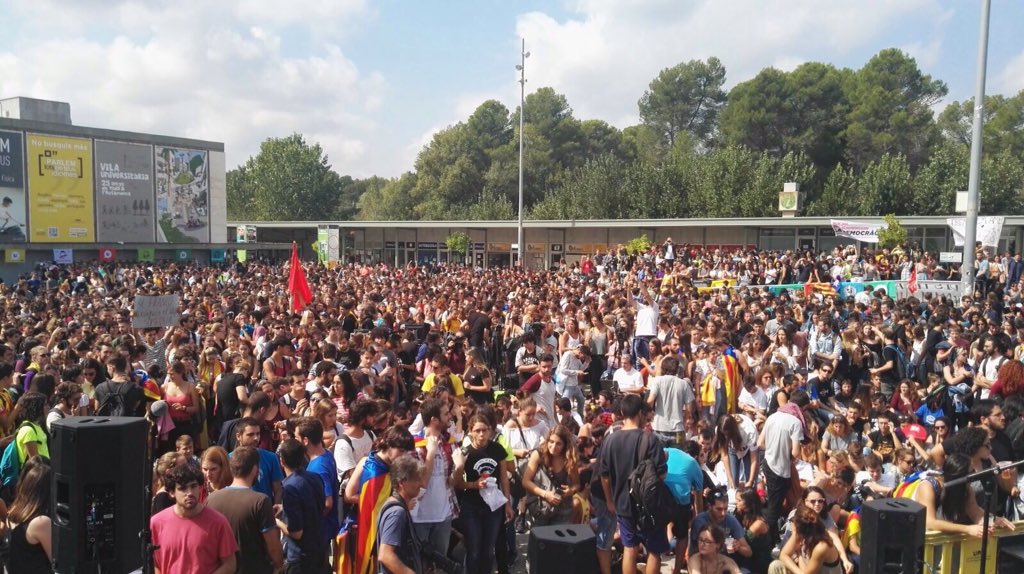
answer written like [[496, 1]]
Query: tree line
[[860, 142]]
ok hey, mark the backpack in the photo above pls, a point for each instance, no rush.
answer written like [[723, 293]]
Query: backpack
[[115, 403], [10, 465], [901, 366], [652, 501]]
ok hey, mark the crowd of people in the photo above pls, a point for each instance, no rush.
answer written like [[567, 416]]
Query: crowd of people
[[418, 419]]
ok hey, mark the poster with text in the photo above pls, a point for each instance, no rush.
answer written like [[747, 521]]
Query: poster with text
[[182, 196], [60, 199], [12, 188], [124, 192]]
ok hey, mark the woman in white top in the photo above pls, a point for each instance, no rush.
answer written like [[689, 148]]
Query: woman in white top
[[783, 352]]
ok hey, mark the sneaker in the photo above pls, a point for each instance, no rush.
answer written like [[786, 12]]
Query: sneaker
[[521, 524]]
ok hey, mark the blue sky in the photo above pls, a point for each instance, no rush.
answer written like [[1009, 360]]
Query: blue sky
[[371, 81]]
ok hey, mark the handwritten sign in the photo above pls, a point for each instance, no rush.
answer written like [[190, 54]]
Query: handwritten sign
[[155, 311]]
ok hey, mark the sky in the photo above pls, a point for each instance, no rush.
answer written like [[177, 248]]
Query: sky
[[372, 81]]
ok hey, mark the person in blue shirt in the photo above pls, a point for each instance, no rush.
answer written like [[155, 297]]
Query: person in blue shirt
[[321, 463], [686, 481], [247, 433], [718, 514], [301, 516]]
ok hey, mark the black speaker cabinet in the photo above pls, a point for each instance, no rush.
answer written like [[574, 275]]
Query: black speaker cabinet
[[99, 477], [562, 549], [892, 536]]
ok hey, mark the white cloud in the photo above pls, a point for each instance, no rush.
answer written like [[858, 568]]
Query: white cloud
[[1010, 80], [221, 71], [604, 56]]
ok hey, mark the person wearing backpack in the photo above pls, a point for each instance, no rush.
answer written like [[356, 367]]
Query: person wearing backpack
[[120, 396], [620, 456], [30, 438]]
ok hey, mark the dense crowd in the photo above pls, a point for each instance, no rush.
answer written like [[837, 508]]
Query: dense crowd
[[417, 419]]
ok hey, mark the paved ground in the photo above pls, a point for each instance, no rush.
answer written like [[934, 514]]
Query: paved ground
[[521, 566]]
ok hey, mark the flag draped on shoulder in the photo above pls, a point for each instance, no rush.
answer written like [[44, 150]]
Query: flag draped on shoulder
[[297, 284], [374, 491]]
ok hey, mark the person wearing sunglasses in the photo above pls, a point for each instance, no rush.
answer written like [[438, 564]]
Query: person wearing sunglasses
[[815, 499]]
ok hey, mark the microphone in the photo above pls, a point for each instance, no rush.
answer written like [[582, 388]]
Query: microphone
[[158, 409]]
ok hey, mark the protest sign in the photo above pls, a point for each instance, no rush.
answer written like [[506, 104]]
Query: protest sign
[[155, 311], [866, 232]]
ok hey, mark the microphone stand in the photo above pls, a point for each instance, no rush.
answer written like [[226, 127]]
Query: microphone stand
[[988, 482]]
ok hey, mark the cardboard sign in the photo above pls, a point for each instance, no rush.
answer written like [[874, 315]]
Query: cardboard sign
[[155, 311]]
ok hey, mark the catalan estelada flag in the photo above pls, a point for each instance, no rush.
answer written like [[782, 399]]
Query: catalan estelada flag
[[733, 380], [374, 491], [826, 289]]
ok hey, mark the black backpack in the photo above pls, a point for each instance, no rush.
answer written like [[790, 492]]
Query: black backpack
[[115, 402], [652, 501]]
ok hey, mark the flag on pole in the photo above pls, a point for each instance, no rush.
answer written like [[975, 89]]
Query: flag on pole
[[297, 284]]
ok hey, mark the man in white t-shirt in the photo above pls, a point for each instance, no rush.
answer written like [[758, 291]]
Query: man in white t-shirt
[[646, 322], [432, 515], [541, 387], [356, 441], [628, 379], [780, 440], [673, 401]]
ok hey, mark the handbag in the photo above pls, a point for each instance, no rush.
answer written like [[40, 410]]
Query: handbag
[[540, 510]]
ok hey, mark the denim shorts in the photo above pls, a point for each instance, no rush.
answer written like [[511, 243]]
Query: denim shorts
[[603, 524]]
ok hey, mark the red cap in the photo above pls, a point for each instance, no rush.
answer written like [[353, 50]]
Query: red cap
[[914, 430]]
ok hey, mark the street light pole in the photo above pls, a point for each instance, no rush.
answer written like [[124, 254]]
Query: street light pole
[[974, 181], [522, 112]]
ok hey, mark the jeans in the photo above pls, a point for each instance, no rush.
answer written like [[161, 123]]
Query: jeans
[[434, 535], [740, 467], [777, 487], [480, 527], [641, 348], [575, 392]]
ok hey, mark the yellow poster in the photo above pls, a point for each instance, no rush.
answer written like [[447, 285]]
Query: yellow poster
[[60, 189]]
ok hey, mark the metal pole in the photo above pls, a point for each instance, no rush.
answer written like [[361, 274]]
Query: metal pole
[[971, 221], [522, 113]]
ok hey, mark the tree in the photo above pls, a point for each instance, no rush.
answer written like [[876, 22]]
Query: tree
[[394, 201], [835, 198], [287, 179], [458, 242], [240, 195], [1003, 124], [935, 185], [886, 186], [686, 97], [893, 234], [890, 110]]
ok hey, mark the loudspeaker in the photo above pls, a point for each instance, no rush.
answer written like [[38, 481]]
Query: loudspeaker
[[892, 536], [99, 494], [562, 549]]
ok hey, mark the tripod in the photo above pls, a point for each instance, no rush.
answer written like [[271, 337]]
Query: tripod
[[987, 477]]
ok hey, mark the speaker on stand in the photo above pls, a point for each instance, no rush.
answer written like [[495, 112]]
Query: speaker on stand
[[99, 481], [892, 536]]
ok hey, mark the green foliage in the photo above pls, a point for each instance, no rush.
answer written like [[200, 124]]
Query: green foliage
[[458, 242], [859, 141], [685, 98], [287, 179], [639, 244], [893, 234]]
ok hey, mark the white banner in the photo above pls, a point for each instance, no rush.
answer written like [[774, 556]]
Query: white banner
[[63, 256], [952, 290], [155, 311], [866, 232], [988, 232]]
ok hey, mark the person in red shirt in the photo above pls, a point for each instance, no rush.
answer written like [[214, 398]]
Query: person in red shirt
[[191, 538]]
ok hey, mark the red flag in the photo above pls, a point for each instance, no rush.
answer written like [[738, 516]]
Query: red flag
[[297, 284], [108, 254], [912, 284]]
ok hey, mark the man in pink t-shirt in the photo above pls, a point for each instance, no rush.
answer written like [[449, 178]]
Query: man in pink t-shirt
[[191, 538]]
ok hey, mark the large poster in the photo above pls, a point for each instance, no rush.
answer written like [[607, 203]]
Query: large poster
[[12, 188], [124, 192], [182, 196], [60, 206]]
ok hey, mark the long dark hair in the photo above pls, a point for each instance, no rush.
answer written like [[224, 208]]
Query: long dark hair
[[752, 502], [957, 465], [810, 528], [32, 497], [31, 407]]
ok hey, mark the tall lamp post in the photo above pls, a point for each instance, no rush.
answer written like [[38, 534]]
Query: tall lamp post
[[521, 66], [971, 221]]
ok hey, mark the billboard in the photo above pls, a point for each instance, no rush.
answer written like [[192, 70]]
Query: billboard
[[182, 195], [12, 188], [124, 192], [60, 192]]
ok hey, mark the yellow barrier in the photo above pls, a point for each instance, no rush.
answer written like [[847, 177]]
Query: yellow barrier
[[949, 553]]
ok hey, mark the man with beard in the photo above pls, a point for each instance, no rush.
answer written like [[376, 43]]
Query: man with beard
[[177, 529]]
